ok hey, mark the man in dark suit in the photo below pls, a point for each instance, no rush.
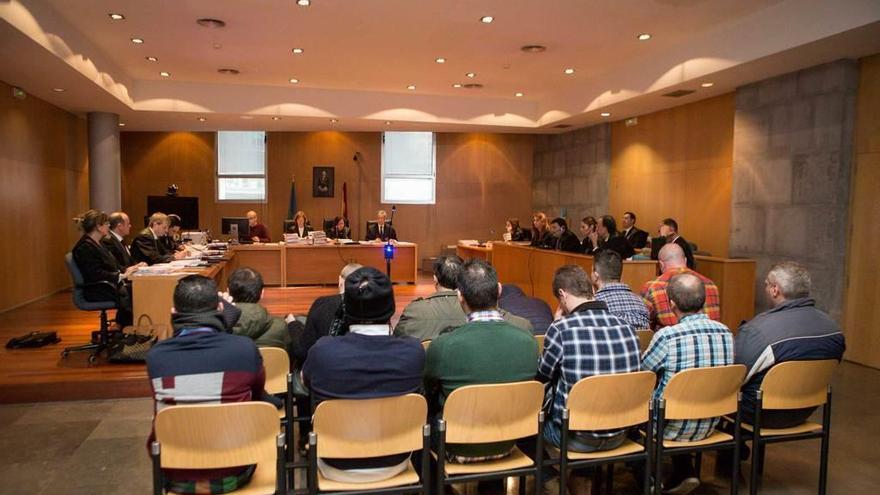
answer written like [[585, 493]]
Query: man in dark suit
[[120, 227], [147, 246], [669, 233], [563, 239], [381, 231], [636, 237], [607, 237]]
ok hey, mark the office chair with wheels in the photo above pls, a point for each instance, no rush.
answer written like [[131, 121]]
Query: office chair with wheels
[[100, 338]]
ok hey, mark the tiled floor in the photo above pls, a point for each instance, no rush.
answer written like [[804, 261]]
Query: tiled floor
[[99, 447]]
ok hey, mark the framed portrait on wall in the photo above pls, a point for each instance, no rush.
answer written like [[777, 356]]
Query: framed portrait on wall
[[322, 182]]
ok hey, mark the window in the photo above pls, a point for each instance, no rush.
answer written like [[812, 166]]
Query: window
[[241, 166], [408, 167]]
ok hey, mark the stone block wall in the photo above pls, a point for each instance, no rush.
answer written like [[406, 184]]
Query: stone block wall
[[792, 156], [571, 172]]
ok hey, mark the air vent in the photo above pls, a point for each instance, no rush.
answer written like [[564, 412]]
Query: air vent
[[679, 93], [472, 86], [229, 72], [211, 23], [533, 48], [562, 126]]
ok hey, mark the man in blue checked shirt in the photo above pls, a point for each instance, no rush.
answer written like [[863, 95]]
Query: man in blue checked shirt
[[607, 268], [695, 342], [587, 340]]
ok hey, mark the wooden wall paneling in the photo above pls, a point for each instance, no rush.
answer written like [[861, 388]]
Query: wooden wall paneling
[[677, 163], [43, 185], [861, 318]]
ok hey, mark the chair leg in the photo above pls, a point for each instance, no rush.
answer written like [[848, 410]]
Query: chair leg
[[761, 458], [698, 463], [737, 434], [596, 485], [753, 473], [658, 461], [522, 485], [826, 440], [609, 478]]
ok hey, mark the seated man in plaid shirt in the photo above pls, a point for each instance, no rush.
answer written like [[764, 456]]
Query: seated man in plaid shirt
[[607, 267], [654, 293], [587, 340], [695, 342]]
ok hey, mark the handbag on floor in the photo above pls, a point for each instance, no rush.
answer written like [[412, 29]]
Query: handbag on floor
[[132, 345]]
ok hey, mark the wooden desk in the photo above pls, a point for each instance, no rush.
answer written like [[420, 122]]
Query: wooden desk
[[532, 270], [466, 252], [310, 265], [153, 295], [268, 259]]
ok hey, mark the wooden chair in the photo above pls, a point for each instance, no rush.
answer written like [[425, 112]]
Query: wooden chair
[[426, 344], [218, 436], [699, 393], [793, 385], [645, 335], [276, 362], [492, 413], [608, 402], [540, 340], [354, 429]]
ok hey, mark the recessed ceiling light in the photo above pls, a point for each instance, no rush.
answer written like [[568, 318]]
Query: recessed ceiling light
[[165, 74], [247, 117], [116, 17], [334, 121], [707, 84], [456, 85], [518, 94], [387, 122], [58, 90], [471, 75], [487, 19], [297, 50], [229, 72], [533, 48], [303, 3], [137, 41], [605, 114], [293, 80], [202, 119], [151, 59], [211, 23], [644, 37], [122, 124], [276, 118], [440, 60], [217, 46], [569, 71], [411, 87]]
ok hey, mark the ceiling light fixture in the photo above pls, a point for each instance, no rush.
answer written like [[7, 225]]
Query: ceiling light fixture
[[456, 85], [518, 94], [334, 121], [387, 122], [58, 90], [605, 114], [165, 74], [293, 80], [211, 23], [487, 19], [116, 17], [247, 117], [707, 84], [151, 59], [297, 50], [440, 60], [202, 119], [644, 37], [471, 75], [569, 71], [276, 118], [533, 48], [122, 124], [137, 41], [229, 72], [303, 3], [411, 87]]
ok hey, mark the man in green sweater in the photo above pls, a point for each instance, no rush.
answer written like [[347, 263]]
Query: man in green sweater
[[486, 349], [246, 289]]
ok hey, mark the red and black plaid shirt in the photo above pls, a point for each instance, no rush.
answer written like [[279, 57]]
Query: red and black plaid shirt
[[660, 313]]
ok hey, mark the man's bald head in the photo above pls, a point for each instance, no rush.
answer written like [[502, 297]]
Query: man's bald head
[[252, 218], [672, 256], [687, 292]]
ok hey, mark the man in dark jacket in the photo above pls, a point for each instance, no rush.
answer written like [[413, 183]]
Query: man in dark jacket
[[793, 330], [120, 227], [514, 301], [246, 290], [636, 237], [607, 237], [563, 239], [148, 247]]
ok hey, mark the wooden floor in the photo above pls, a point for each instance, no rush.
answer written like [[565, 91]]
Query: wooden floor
[[34, 375]]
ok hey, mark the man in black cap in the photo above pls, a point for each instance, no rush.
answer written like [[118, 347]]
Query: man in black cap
[[365, 362]]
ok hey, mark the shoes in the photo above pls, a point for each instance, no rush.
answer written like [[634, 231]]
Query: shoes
[[685, 486]]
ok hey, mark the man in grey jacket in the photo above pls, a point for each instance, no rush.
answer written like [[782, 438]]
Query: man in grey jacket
[[793, 330]]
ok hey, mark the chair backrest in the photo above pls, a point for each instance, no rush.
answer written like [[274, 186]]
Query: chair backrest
[[493, 413], [277, 365], [797, 384], [540, 340], [703, 392], [75, 274], [607, 402], [426, 344], [645, 335], [354, 429], [217, 435], [369, 223]]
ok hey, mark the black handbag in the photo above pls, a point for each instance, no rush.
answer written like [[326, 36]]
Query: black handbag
[[33, 339]]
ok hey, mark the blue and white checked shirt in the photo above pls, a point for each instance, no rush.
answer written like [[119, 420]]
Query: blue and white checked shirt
[[623, 303], [590, 341], [695, 342]]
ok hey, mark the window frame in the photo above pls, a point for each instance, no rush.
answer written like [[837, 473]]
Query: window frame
[[432, 175], [218, 176]]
